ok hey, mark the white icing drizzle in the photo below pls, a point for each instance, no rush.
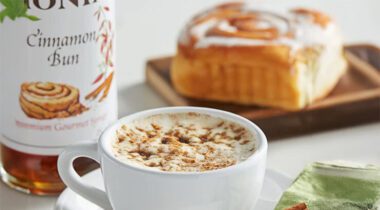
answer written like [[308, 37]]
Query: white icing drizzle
[[235, 41], [201, 29], [226, 27], [306, 32]]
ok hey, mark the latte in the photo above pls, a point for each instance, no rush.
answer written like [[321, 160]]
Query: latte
[[183, 142]]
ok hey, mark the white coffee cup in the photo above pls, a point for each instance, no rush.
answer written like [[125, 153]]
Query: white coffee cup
[[130, 187]]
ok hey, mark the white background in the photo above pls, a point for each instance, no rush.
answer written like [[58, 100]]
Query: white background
[[149, 28]]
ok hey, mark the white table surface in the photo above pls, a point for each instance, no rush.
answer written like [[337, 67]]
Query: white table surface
[[148, 28]]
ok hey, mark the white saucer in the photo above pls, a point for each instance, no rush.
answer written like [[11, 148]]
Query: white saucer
[[275, 184]]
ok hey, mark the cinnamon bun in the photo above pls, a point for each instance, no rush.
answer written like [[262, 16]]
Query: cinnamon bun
[[233, 53], [46, 100]]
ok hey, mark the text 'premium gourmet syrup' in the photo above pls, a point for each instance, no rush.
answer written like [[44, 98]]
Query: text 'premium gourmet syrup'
[[57, 85]]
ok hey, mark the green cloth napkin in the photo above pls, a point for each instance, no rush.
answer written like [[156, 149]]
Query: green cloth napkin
[[335, 186]]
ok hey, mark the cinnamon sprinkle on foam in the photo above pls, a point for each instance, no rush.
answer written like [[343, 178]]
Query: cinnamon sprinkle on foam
[[186, 142]]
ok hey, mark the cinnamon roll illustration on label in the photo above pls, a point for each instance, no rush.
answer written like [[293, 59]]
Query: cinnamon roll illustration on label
[[47, 100]]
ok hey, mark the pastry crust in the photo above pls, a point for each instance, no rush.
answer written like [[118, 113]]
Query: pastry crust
[[50, 100], [233, 54]]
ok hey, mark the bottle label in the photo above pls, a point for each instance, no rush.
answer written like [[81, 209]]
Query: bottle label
[[57, 71]]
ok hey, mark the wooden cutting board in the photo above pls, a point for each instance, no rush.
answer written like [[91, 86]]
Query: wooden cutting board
[[355, 100]]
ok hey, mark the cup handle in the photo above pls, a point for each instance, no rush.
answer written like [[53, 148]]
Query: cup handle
[[73, 180]]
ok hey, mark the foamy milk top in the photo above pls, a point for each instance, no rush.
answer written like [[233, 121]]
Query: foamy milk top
[[186, 142]]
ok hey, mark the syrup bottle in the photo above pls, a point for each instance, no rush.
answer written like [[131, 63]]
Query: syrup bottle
[[57, 85]]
